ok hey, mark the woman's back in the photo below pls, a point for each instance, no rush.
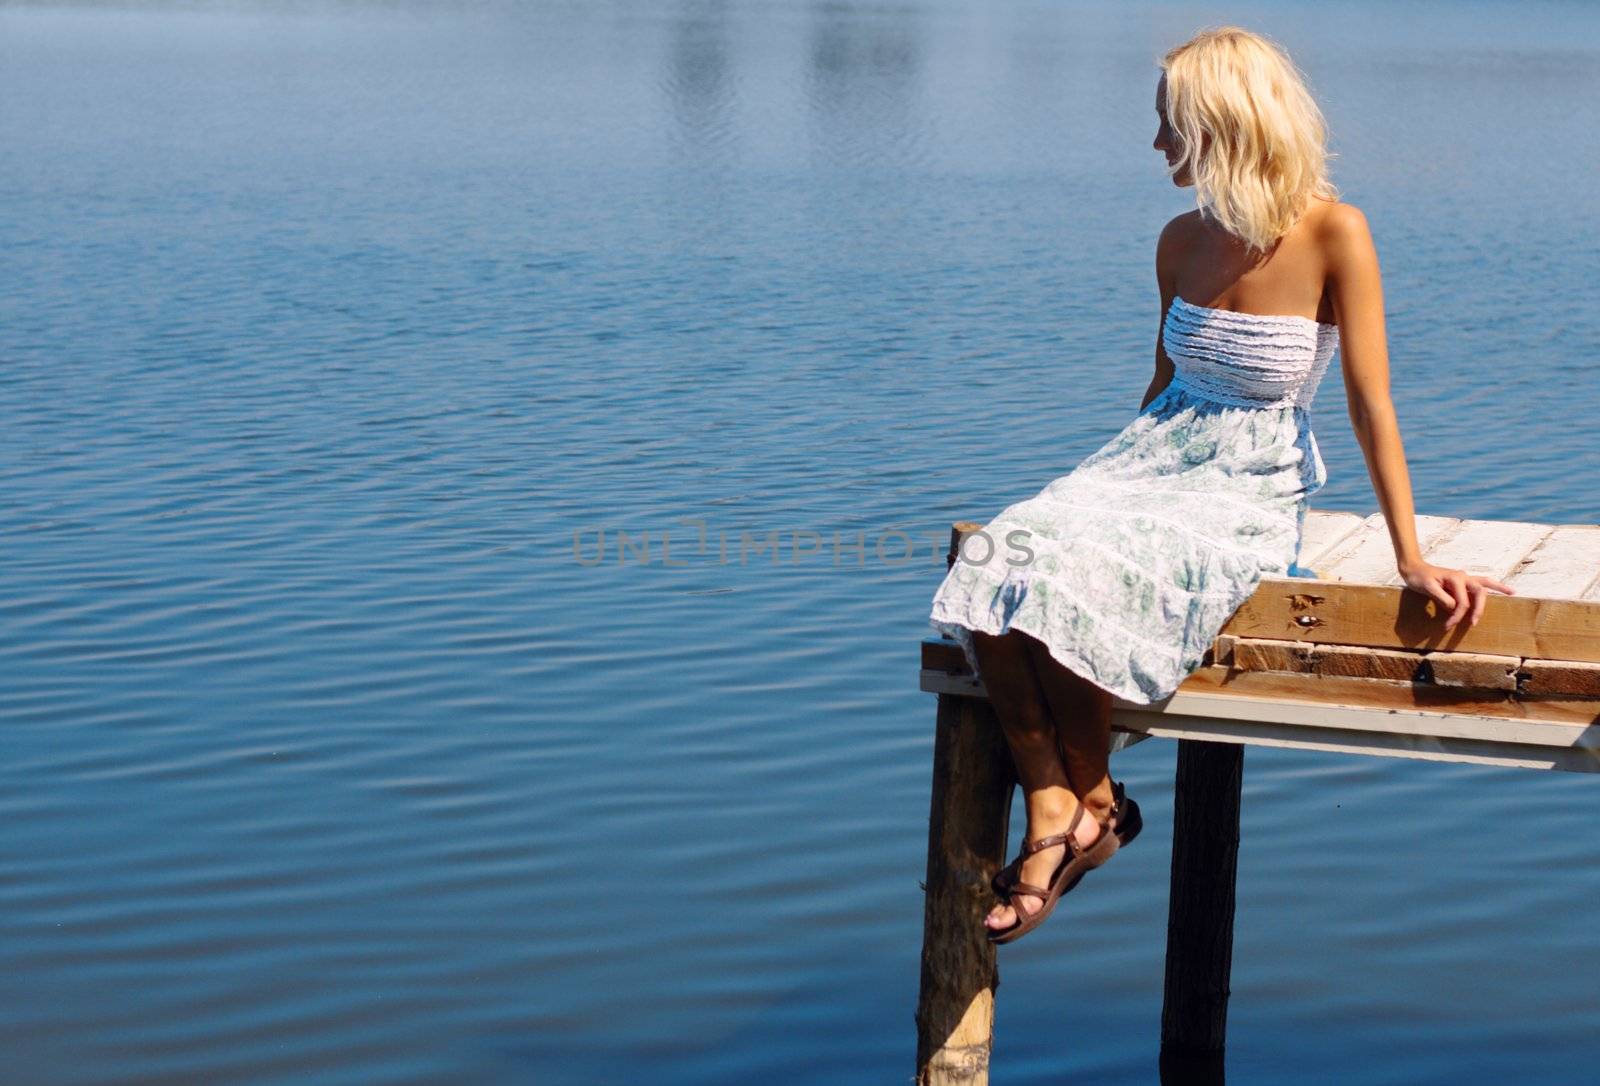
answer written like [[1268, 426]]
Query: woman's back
[[1212, 268]]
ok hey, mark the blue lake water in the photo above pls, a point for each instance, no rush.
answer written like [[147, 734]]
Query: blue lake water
[[328, 329]]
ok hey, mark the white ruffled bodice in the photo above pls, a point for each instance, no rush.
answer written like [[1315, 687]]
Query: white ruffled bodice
[[1247, 359]]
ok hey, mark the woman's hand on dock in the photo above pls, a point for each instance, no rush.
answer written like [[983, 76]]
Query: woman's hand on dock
[[1464, 593]]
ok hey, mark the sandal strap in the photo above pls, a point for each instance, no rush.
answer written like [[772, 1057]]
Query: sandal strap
[[1065, 837], [1105, 828]]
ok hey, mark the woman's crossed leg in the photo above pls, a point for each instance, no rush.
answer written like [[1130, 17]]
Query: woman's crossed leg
[[1058, 726]]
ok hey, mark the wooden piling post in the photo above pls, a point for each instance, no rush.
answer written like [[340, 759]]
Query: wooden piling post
[[1205, 859], [968, 821], [973, 778]]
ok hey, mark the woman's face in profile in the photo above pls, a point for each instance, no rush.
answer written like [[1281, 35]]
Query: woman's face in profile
[[1166, 139]]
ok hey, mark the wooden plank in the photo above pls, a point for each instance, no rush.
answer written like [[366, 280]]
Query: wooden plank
[[1324, 530], [1368, 556], [1270, 654], [1367, 536], [1349, 661], [1339, 702], [1375, 718], [1479, 670], [1312, 702], [1222, 649], [1328, 612], [1489, 548], [1450, 725], [1385, 745], [1362, 662], [1563, 566], [943, 655], [1560, 677]]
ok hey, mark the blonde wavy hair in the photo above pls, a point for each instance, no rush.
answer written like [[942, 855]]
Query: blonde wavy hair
[[1248, 131]]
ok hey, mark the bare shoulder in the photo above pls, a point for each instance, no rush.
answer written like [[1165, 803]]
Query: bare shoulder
[[1354, 282], [1180, 229], [1343, 231], [1174, 241]]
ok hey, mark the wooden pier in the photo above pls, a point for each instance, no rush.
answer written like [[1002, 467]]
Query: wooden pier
[[1349, 661]]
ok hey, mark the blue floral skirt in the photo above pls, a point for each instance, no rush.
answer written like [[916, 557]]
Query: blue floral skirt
[[1127, 567]]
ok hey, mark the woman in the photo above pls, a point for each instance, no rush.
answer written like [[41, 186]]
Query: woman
[[1117, 577]]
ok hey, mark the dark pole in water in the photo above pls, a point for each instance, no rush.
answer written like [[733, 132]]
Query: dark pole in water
[[1205, 861]]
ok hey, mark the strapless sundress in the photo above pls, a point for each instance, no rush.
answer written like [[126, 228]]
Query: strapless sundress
[[1127, 567]]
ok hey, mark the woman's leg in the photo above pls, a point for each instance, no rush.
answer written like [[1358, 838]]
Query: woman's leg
[[1006, 665], [1082, 714]]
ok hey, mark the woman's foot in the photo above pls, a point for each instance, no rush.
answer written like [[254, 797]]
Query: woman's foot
[[1038, 868]]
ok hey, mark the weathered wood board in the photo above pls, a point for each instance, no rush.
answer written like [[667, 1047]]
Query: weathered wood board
[[1366, 556], [1564, 565], [1333, 612], [1358, 598], [1323, 532], [1553, 561]]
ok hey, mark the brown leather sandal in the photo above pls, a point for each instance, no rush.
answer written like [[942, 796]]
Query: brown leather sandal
[[1077, 862], [1126, 822]]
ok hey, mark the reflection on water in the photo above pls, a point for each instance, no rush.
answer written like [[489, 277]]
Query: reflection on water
[[325, 328]]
